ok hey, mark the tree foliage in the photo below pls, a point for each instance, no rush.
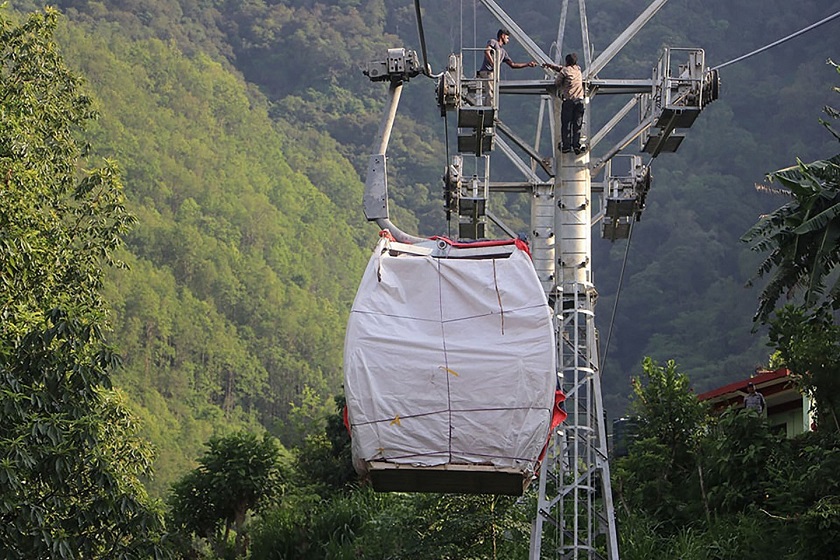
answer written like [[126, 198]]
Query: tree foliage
[[667, 408], [740, 490], [324, 459], [246, 254], [660, 476], [238, 475], [365, 524], [71, 464], [803, 236], [809, 345]]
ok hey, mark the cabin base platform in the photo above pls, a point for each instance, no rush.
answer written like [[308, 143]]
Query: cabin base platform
[[458, 479]]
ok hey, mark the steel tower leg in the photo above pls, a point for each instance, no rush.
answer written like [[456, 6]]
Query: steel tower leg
[[575, 494]]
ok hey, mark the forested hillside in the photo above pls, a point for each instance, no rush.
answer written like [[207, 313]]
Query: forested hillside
[[224, 169], [241, 271], [242, 130]]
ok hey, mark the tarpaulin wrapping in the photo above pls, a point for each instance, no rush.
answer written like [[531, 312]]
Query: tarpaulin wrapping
[[449, 361]]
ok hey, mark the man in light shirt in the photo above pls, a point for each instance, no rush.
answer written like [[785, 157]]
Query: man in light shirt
[[754, 399], [570, 88]]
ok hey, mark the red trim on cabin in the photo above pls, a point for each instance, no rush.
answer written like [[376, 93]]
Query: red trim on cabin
[[387, 235], [558, 415], [521, 244], [345, 416]]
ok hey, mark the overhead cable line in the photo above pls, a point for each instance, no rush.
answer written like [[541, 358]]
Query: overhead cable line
[[618, 291], [615, 303], [427, 69], [630, 233], [779, 42]]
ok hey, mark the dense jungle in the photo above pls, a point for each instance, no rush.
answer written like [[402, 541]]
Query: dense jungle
[[182, 237]]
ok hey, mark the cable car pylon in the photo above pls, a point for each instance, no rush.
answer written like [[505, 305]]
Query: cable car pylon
[[574, 491]]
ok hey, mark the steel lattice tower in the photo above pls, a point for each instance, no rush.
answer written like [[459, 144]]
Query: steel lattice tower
[[574, 490]]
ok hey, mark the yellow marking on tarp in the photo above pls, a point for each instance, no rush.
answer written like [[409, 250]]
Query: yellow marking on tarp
[[452, 371], [396, 420]]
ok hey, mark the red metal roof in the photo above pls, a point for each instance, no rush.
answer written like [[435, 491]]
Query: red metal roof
[[761, 380]]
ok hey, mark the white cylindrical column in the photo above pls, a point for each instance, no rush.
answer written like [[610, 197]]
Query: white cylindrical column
[[573, 220], [542, 238]]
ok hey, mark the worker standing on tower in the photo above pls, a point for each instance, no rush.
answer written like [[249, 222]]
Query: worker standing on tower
[[570, 85], [496, 48]]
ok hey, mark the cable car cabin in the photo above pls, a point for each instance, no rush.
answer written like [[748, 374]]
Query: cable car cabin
[[449, 368]]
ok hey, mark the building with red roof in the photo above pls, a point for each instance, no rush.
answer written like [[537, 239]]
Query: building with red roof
[[787, 408]]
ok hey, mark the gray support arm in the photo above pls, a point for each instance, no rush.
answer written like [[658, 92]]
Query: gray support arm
[[507, 131], [376, 183], [632, 135]]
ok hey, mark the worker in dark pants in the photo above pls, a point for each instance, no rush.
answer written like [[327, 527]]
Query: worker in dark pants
[[570, 86]]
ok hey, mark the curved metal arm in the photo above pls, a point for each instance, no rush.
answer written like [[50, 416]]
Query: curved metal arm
[[376, 183]]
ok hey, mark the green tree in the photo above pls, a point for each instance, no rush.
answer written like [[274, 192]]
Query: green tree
[[695, 487], [661, 476], [242, 270], [803, 236], [667, 409], [239, 474], [741, 490], [368, 524], [809, 345], [801, 493], [324, 460], [71, 464], [740, 455]]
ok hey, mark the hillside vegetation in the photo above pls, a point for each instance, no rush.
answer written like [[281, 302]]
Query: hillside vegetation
[[243, 130], [241, 270], [228, 148]]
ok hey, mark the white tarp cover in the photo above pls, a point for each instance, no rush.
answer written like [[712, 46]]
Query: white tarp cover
[[449, 361]]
